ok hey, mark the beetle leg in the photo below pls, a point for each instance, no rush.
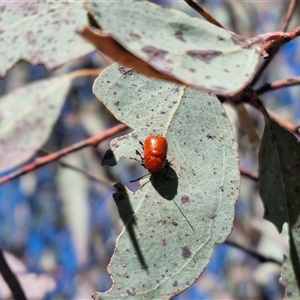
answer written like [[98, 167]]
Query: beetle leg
[[139, 154], [139, 178]]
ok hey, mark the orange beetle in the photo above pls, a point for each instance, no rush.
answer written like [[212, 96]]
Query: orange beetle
[[155, 153], [155, 159]]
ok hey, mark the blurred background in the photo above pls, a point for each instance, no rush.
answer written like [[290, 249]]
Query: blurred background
[[58, 226]]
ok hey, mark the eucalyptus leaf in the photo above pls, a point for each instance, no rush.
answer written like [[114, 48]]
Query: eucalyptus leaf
[[171, 224], [279, 184], [288, 280], [279, 171], [41, 33], [191, 50], [26, 118]]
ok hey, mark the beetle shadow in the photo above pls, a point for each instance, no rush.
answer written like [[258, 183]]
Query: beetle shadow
[[127, 215], [165, 184]]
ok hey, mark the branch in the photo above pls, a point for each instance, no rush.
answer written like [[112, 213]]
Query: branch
[[41, 161], [279, 84], [202, 12], [248, 95], [85, 72], [247, 124], [248, 174], [276, 85], [288, 16], [275, 40], [285, 124], [261, 258], [11, 279], [78, 169]]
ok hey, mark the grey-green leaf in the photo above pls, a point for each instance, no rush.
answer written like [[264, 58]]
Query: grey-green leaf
[[279, 175], [171, 225], [26, 118], [279, 184], [41, 33], [288, 280], [193, 51]]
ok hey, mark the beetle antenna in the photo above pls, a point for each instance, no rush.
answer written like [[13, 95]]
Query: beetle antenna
[[184, 215]]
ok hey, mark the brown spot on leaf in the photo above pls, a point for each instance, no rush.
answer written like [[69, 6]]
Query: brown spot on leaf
[[94, 4], [30, 37], [131, 292], [186, 252], [175, 283], [212, 215], [179, 35], [134, 36], [185, 199], [206, 56], [154, 52]]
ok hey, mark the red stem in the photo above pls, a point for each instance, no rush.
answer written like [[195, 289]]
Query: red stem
[[41, 161]]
